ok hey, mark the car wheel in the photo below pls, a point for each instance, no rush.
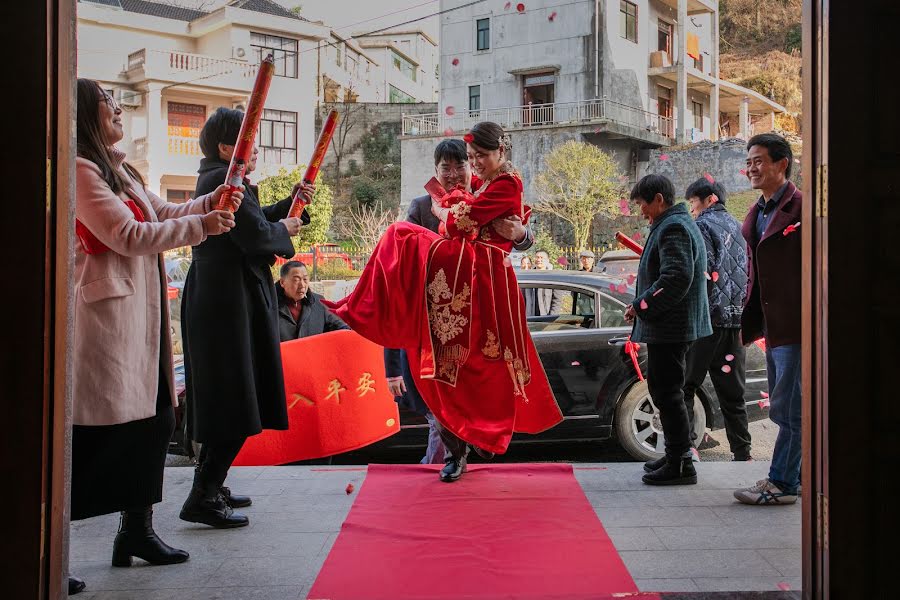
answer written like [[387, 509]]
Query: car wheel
[[638, 426]]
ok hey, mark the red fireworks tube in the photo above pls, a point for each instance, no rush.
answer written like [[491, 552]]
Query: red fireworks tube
[[244, 146], [629, 243], [299, 203]]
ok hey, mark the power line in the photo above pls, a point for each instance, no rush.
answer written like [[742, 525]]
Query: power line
[[328, 43]]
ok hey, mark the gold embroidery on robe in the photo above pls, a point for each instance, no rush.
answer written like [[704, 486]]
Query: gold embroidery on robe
[[438, 288], [460, 300], [491, 346], [447, 325], [464, 222]]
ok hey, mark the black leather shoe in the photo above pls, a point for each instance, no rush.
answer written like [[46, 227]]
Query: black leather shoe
[[235, 501], [676, 471], [453, 470], [76, 585], [485, 454], [137, 538], [210, 509], [652, 465]]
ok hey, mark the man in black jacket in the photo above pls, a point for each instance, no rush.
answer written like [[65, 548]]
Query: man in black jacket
[[670, 310], [300, 312], [721, 354]]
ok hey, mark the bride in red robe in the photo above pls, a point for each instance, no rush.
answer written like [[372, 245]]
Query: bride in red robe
[[453, 303]]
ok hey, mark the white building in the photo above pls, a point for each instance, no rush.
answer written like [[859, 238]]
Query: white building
[[408, 62], [650, 66], [170, 67]]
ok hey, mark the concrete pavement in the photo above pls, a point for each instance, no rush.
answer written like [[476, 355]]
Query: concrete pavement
[[684, 539]]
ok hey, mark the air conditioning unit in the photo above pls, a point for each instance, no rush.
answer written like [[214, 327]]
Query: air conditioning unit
[[241, 105], [130, 98], [240, 53]]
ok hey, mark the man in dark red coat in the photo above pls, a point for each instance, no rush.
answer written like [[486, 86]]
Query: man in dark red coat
[[772, 307]]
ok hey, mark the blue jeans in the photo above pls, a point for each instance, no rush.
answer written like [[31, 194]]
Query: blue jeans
[[434, 454], [783, 369]]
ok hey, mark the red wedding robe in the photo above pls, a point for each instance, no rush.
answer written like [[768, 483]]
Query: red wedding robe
[[454, 305]]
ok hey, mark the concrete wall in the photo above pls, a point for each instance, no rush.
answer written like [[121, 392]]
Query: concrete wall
[[724, 160]]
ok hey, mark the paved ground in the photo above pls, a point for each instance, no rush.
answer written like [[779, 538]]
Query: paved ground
[[692, 538]]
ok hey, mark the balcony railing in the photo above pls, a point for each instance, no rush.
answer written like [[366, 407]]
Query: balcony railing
[[172, 65], [184, 146], [561, 113]]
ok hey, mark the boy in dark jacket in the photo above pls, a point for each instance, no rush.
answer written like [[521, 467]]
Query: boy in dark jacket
[[670, 310], [721, 354]]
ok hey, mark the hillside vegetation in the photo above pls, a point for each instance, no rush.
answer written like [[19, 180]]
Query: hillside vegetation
[[760, 49]]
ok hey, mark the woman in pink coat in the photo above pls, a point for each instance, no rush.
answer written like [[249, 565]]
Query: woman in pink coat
[[124, 381]]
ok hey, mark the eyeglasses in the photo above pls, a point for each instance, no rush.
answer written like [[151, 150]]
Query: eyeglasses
[[445, 171], [111, 103]]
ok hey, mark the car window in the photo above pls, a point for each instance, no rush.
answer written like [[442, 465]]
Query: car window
[[612, 312], [549, 308]]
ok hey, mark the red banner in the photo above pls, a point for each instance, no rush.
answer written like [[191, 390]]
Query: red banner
[[336, 403]]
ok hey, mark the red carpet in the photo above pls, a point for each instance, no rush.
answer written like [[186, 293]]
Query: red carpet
[[502, 531]]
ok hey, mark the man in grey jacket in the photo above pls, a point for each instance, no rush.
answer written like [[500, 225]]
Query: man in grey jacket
[[721, 355], [300, 312]]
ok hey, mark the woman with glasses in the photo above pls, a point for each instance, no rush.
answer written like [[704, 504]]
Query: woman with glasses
[[123, 376]]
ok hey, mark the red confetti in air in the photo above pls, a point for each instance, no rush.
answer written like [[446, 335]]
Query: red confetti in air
[[726, 369], [706, 275], [575, 363], [709, 178], [729, 357], [631, 279], [552, 16], [448, 132], [743, 171], [784, 585], [764, 394], [643, 305], [658, 292], [612, 287], [349, 489], [663, 157], [636, 236], [520, 7], [450, 111], [455, 62], [507, 5], [623, 203], [597, 130], [622, 288], [763, 404], [715, 276], [562, 260]]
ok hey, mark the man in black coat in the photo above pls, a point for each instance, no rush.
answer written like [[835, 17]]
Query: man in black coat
[[300, 312], [721, 355], [229, 316], [773, 306], [451, 168], [670, 310]]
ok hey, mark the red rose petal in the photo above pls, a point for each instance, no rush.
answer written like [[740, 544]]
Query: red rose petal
[[507, 5], [784, 585], [709, 178], [450, 111], [631, 279], [454, 62], [552, 16], [575, 363], [349, 489], [743, 171], [612, 287], [622, 288], [729, 357], [726, 369], [663, 157], [715, 276], [643, 305], [636, 236], [562, 260], [448, 132], [764, 394], [520, 7]]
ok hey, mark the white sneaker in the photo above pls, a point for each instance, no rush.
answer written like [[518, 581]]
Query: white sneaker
[[764, 492]]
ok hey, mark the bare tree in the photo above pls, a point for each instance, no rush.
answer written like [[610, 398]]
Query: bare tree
[[349, 120], [366, 224]]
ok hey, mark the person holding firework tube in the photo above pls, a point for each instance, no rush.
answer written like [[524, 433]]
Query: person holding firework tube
[[235, 386]]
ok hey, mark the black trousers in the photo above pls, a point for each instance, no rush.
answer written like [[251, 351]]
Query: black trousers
[[665, 379], [454, 448], [709, 355], [215, 459]]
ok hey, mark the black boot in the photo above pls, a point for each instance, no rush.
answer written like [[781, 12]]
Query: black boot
[[76, 585], [137, 538], [676, 471], [233, 500], [652, 465], [205, 504], [453, 470]]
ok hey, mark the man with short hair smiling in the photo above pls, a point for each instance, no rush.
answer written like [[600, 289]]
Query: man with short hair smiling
[[721, 355], [772, 307], [300, 312], [670, 310]]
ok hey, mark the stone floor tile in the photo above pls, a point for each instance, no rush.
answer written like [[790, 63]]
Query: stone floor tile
[[666, 585], [648, 516], [142, 576], [740, 584], [710, 537], [680, 564], [261, 571], [634, 538], [788, 561]]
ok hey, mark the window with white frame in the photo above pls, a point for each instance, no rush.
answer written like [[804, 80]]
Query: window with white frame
[[284, 49], [277, 137]]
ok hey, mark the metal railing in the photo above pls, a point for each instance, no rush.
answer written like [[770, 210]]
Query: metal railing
[[531, 115]]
